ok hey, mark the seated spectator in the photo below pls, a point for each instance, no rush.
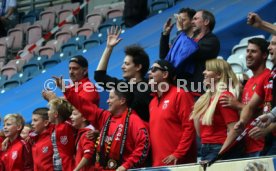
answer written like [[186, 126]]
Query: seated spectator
[[8, 17], [212, 121], [17, 155]]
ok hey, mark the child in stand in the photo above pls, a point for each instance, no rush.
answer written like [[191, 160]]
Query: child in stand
[[17, 156], [42, 148], [84, 146], [63, 134]]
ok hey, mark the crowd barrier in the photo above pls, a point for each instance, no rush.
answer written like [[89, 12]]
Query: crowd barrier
[[247, 164]]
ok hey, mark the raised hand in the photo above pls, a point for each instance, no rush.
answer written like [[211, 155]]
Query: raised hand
[[254, 20], [113, 36], [48, 95], [59, 82], [167, 27]]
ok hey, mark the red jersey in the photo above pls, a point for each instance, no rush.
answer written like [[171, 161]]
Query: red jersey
[[253, 145], [137, 140], [18, 156], [265, 92], [84, 148], [1, 165], [217, 132], [86, 89], [171, 131], [42, 150], [65, 140]]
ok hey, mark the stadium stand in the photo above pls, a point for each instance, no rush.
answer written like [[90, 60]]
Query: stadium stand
[[147, 33]]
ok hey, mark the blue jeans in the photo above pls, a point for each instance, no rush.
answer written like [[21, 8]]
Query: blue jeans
[[253, 154], [210, 151], [272, 149]]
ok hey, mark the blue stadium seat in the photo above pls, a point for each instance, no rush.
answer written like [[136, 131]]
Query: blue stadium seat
[[29, 18], [71, 48], [90, 43], [50, 63], [9, 84], [158, 7]]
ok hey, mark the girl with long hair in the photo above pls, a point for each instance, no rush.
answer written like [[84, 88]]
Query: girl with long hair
[[212, 121]]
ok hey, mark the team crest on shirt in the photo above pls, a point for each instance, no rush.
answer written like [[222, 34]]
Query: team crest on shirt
[[254, 86], [63, 140], [165, 104], [45, 149], [14, 155]]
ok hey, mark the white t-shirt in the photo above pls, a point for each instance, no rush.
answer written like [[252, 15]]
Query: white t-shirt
[[9, 3]]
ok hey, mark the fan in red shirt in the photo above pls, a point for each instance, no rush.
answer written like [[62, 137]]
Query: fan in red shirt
[[84, 146], [124, 139], [18, 155], [172, 134], [212, 121], [256, 56], [262, 94], [63, 134], [42, 148]]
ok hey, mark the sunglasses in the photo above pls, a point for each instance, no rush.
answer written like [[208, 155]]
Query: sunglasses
[[155, 68]]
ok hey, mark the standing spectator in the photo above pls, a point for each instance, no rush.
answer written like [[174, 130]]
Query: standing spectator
[[203, 24], [63, 134], [8, 18], [84, 146], [183, 24], [78, 72], [172, 134], [124, 139], [42, 148], [212, 121], [135, 11], [263, 94], [135, 67], [256, 56], [18, 155], [2, 138]]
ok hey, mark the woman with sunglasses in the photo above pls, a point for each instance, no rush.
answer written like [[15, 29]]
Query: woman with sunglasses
[[172, 134]]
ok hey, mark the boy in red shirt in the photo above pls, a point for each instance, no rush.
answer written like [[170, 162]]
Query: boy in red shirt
[[18, 154], [63, 134], [84, 146], [42, 148]]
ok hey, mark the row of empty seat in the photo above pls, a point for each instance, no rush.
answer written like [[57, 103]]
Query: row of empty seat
[[70, 40]]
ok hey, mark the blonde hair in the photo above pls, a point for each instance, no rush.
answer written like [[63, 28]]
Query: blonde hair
[[62, 107], [19, 120], [204, 107]]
